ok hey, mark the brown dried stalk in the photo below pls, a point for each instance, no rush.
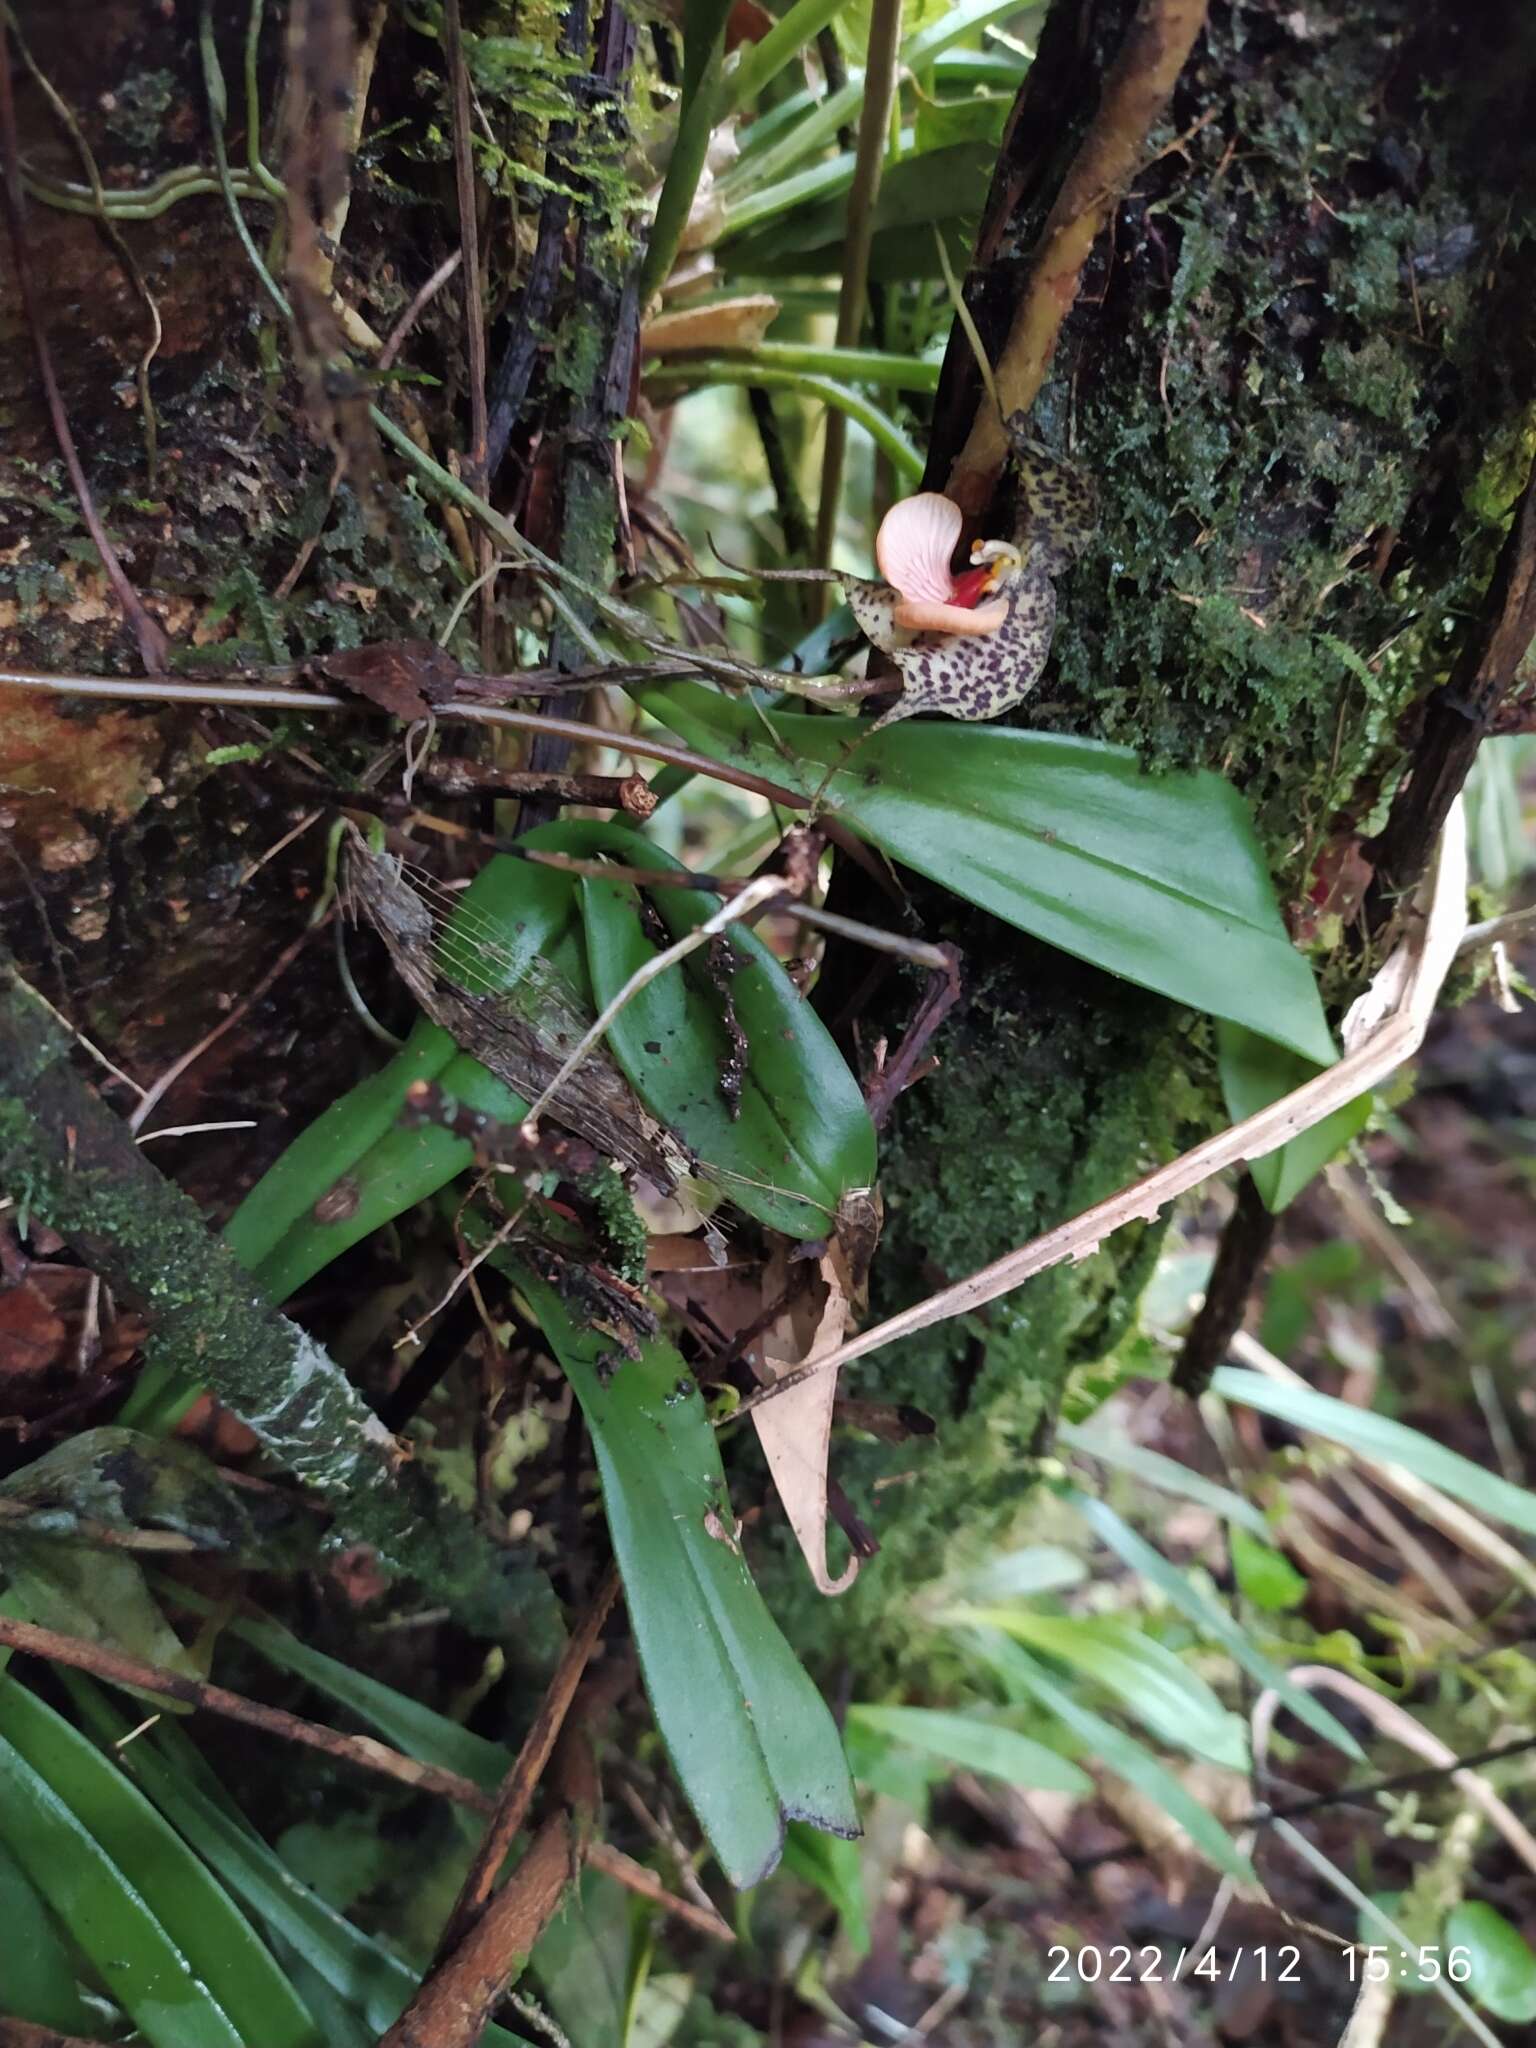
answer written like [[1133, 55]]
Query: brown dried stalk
[[1136, 91], [119, 1669]]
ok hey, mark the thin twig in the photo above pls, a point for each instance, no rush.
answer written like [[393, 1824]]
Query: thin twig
[[517, 1788], [1136, 91], [258, 698], [1267, 1812], [939, 958], [469, 237], [636, 1877], [631, 794], [451, 2007], [154, 648], [413, 312], [22, 2034], [145, 1106], [117, 1669], [762, 889], [1514, 924], [1383, 1030]]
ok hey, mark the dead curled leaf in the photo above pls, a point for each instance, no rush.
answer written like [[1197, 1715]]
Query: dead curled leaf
[[728, 323], [404, 677], [796, 1430]]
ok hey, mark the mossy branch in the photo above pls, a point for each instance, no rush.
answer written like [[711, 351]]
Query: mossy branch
[[65, 1158]]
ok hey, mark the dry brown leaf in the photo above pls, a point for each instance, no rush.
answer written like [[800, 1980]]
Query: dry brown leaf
[[796, 1432], [732, 323]]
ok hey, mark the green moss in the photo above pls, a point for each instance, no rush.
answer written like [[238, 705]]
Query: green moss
[[1053, 1092], [1329, 337], [625, 1240]]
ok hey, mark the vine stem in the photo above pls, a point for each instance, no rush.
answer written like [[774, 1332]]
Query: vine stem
[[841, 402]]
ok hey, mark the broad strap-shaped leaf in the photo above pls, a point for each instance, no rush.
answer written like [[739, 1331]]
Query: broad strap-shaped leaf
[[1159, 879], [372, 1982], [1382, 1440], [1256, 1072], [1027, 1679], [749, 1735], [159, 1928], [801, 1138]]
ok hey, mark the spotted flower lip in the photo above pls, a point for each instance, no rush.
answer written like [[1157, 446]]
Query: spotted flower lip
[[917, 537]]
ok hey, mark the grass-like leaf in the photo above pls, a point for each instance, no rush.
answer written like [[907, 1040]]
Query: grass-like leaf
[[1379, 1438], [974, 1745], [41, 1976], [1025, 1678], [1160, 1689], [365, 1976], [1210, 1619], [162, 1933], [1098, 1439]]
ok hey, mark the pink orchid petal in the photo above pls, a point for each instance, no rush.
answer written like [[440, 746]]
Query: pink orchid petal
[[922, 616], [914, 544]]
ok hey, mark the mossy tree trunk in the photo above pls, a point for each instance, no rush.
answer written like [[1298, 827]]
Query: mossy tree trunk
[[1303, 370], [1302, 367]]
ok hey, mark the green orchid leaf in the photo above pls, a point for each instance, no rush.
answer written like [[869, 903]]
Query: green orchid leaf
[[512, 913], [1256, 1072], [1265, 1575], [419, 1730], [835, 1868], [749, 1735], [1024, 1678], [973, 1745], [163, 1934], [800, 1137], [365, 1976], [1159, 879], [42, 1978]]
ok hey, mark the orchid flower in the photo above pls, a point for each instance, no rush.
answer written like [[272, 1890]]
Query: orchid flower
[[969, 646], [916, 540]]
